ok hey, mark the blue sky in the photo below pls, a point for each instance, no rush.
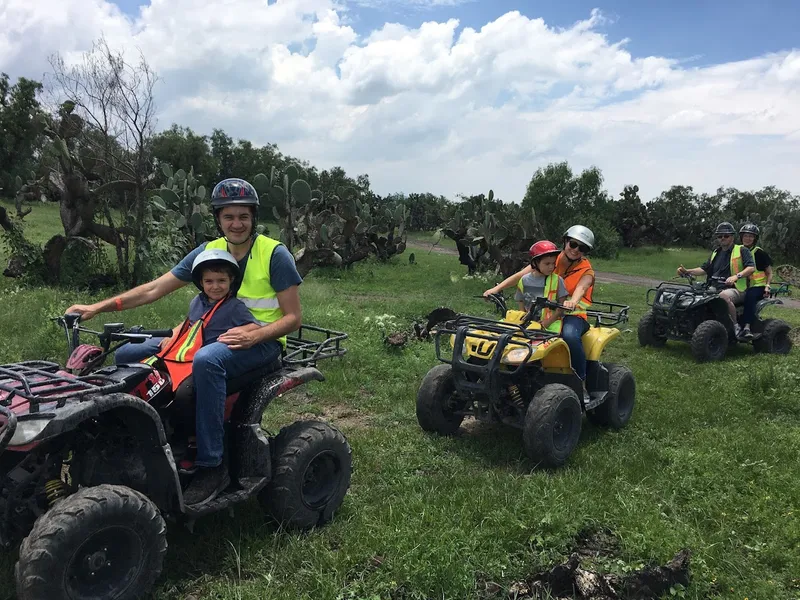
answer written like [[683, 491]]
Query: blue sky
[[706, 31], [704, 93]]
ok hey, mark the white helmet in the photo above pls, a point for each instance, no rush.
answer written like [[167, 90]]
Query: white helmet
[[582, 234], [213, 257]]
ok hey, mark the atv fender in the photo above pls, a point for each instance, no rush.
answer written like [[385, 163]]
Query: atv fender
[[257, 397], [596, 339], [762, 304], [143, 422]]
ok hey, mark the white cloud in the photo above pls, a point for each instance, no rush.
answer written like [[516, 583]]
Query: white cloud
[[440, 107]]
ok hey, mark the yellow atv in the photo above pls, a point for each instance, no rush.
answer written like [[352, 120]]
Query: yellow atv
[[514, 372]]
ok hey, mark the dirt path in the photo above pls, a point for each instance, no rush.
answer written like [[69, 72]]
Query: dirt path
[[602, 276]]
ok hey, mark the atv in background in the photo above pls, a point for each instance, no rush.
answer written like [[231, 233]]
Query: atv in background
[[89, 461], [693, 312], [513, 372]]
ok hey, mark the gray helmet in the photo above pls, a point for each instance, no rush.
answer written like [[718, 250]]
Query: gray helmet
[[213, 258], [725, 227], [749, 228], [582, 234]]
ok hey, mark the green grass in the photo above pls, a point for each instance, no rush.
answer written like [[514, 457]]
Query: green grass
[[708, 462], [649, 261]]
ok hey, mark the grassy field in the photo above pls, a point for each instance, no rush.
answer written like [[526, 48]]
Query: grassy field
[[708, 462]]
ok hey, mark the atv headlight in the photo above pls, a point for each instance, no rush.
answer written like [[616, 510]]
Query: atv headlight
[[516, 356], [27, 431]]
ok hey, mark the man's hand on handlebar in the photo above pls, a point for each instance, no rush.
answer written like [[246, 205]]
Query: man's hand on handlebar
[[86, 311]]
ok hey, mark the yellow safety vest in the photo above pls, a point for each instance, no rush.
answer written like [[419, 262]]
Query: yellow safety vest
[[758, 278], [551, 293], [256, 293], [736, 265]]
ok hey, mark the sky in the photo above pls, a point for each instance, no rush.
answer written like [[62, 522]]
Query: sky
[[460, 96]]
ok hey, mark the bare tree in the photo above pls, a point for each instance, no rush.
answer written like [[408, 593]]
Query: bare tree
[[103, 116]]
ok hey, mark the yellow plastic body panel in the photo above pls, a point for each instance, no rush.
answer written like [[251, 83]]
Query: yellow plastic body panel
[[596, 339]]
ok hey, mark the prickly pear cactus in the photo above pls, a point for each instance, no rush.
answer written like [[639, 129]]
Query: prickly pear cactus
[[182, 203], [789, 273]]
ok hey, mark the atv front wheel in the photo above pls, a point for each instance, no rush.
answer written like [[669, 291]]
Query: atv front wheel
[[552, 425], [617, 408], [775, 338], [312, 465], [647, 331], [107, 541], [435, 410], [709, 341]]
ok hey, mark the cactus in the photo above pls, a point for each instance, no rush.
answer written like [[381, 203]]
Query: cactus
[[337, 230], [181, 203]]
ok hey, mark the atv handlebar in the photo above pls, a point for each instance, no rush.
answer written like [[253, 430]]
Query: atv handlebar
[[112, 332], [606, 315], [8, 428]]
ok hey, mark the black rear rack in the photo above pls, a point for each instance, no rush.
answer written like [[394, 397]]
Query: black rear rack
[[38, 382], [310, 344], [608, 314]]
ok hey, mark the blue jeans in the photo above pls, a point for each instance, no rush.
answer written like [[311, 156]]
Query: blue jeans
[[572, 329], [212, 366], [751, 298]]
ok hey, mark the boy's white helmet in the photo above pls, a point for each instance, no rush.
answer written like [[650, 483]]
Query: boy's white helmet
[[213, 258]]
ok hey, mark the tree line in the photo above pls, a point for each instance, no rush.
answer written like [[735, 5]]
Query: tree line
[[86, 138]]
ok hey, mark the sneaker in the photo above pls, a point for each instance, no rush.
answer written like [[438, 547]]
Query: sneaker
[[737, 330], [206, 485], [747, 334]]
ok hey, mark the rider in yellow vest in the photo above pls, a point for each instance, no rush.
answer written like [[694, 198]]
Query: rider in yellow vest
[[730, 265], [760, 279], [269, 288], [542, 281]]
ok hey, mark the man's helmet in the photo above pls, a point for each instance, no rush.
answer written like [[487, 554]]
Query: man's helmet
[[749, 228], [581, 234], [233, 192], [213, 258], [725, 227], [543, 248]]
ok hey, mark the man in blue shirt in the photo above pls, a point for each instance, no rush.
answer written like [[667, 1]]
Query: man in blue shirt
[[241, 349]]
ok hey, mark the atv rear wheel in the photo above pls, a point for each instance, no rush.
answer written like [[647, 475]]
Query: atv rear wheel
[[647, 331], [774, 338], [709, 341], [435, 410], [312, 465], [552, 425], [617, 408], [107, 541]]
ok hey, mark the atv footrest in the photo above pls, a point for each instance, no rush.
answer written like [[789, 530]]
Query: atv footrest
[[228, 498]]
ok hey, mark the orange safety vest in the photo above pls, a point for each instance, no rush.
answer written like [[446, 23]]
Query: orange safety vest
[[178, 355], [572, 273]]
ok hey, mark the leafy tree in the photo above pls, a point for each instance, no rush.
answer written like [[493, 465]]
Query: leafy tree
[[20, 130]]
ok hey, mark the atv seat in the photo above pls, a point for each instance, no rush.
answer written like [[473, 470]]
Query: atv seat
[[183, 406]]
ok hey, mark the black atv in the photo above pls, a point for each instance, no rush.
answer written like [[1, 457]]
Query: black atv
[[89, 462], [693, 312]]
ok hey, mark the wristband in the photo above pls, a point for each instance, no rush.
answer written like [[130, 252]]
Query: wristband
[[118, 304]]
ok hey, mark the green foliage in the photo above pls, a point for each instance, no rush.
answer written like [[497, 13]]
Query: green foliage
[[20, 130], [180, 218], [84, 263], [632, 222]]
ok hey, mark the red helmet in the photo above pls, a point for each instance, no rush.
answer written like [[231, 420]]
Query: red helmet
[[543, 248]]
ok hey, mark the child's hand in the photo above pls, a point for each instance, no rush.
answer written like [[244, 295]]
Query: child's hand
[[163, 343]]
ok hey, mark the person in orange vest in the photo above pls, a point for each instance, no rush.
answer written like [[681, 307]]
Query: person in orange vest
[[574, 268], [268, 286], [213, 312], [731, 263], [760, 279]]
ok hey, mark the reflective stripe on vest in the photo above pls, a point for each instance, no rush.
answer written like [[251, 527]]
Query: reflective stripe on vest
[[256, 293], [736, 265], [551, 293], [758, 278], [178, 355], [572, 273]]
